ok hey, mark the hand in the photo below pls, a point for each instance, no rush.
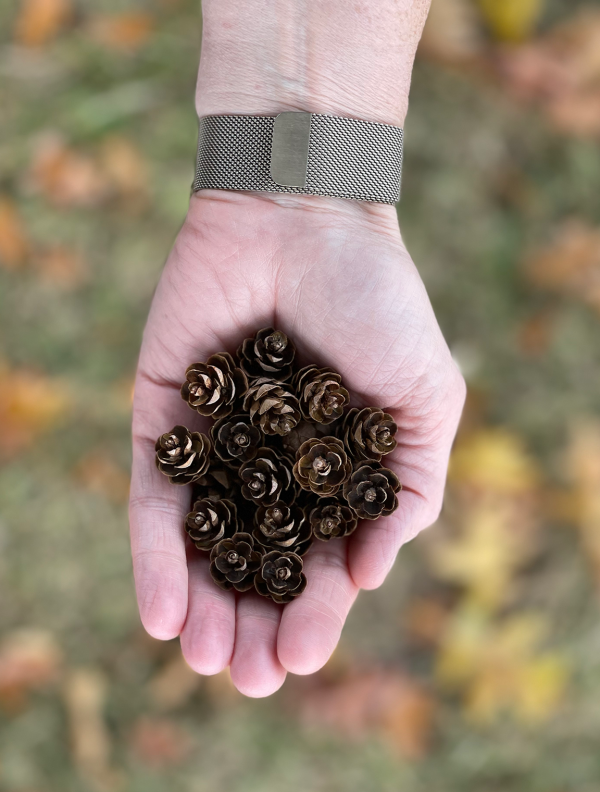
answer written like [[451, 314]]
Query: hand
[[336, 277]]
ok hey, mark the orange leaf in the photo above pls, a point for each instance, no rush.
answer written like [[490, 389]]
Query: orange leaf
[[160, 742], [125, 166], [40, 21], [30, 403], [571, 264], [127, 31], [29, 659], [64, 176], [14, 247], [61, 266], [98, 473]]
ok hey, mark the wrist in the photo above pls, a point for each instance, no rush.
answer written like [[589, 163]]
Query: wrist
[[354, 59]]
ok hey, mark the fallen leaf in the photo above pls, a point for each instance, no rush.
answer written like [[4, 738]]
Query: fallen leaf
[[560, 72], [85, 697], [499, 667], [173, 685], [39, 21], [98, 473], [125, 166], [570, 265], [583, 470], [220, 689], [61, 266], [536, 332], [30, 659], [14, 245], [390, 704], [425, 620], [30, 403], [65, 176], [127, 31], [160, 742], [511, 20], [452, 34]]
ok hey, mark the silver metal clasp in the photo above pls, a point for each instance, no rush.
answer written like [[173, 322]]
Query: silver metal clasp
[[289, 150]]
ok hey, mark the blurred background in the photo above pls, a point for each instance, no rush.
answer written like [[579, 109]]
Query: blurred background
[[477, 665]]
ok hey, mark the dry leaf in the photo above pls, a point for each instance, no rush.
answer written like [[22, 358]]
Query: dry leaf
[[125, 167], [64, 176], [127, 31], [425, 620], [220, 689], [30, 659], [174, 684], [583, 469], [561, 72], [452, 33], [570, 265], [39, 21], [535, 333], [160, 742], [97, 472], [499, 668], [30, 403], [61, 266], [386, 703], [511, 20], [14, 246]]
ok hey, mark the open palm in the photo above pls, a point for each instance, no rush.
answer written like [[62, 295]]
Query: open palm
[[335, 276]]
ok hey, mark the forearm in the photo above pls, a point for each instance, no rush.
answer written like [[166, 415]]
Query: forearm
[[346, 57]]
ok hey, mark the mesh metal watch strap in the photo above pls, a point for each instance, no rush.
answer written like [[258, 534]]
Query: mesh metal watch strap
[[347, 158]]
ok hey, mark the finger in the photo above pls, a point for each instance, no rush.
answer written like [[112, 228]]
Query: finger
[[421, 462], [255, 667], [311, 625], [208, 635], [156, 513]]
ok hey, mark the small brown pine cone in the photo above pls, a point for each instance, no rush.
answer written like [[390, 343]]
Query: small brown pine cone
[[267, 478], [215, 387], [300, 434], [371, 491], [369, 433], [321, 395], [211, 521], [236, 440], [269, 354], [218, 483], [182, 455], [332, 519], [282, 527], [280, 576], [234, 562], [322, 465], [272, 407]]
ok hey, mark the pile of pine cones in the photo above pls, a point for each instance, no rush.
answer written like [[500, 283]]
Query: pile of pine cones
[[287, 462]]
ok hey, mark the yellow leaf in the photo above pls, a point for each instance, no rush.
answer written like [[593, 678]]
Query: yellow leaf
[[511, 20], [40, 21], [494, 460], [14, 247]]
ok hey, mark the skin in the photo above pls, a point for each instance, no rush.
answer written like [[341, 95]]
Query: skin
[[332, 274]]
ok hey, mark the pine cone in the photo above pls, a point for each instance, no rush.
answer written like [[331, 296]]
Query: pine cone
[[270, 353], [369, 433], [371, 491], [322, 465], [267, 478], [322, 397], [280, 576], [234, 562], [272, 407], [211, 521], [218, 483], [182, 455], [332, 519], [235, 439], [214, 387], [300, 434], [282, 527]]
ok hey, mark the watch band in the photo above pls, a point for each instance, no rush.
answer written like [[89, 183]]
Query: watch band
[[302, 153]]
